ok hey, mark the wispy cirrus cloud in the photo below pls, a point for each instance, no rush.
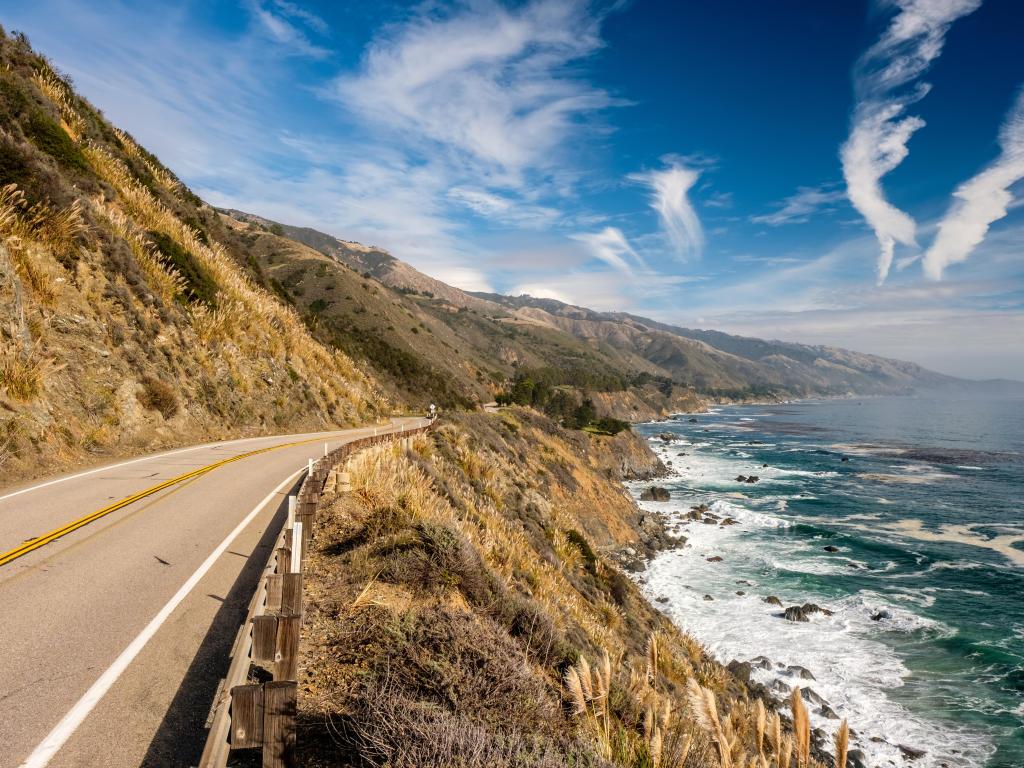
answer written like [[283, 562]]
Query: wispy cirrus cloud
[[489, 84], [611, 246], [886, 82], [801, 205], [289, 26], [981, 200], [670, 188]]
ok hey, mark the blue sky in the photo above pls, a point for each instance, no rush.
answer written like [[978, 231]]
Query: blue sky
[[839, 173]]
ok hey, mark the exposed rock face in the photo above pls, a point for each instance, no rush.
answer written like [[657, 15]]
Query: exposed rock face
[[655, 493], [831, 548], [715, 559], [801, 672], [773, 600], [741, 669], [911, 753], [801, 612]]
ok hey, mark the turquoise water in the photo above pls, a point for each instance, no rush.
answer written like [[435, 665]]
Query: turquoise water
[[925, 647]]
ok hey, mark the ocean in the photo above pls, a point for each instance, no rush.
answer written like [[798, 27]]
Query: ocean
[[919, 502]]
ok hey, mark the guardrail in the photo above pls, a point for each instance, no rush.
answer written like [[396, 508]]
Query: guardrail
[[255, 705]]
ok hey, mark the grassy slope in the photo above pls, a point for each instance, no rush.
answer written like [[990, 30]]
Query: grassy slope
[[454, 595], [424, 347], [126, 322]]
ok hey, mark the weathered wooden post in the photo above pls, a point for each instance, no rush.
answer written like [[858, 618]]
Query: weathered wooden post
[[279, 705], [264, 638], [246, 716], [286, 665]]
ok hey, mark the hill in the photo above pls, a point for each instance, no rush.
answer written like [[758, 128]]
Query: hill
[[711, 364], [128, 320]]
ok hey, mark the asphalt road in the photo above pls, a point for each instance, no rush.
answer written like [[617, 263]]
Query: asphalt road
[[73, 610]]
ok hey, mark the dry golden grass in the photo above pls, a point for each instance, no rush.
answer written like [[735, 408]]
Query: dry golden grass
[[57, 91]]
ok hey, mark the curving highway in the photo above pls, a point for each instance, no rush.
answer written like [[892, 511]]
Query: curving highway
[[122, 589]]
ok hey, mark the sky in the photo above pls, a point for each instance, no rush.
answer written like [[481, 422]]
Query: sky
[[845, 173]]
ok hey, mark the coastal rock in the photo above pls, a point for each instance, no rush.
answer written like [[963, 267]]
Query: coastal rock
[[709, 598], [740, 592], [667, 437], [831, 548], [826, 711], [773, 600], [845, 458], [809, 694], [692, 421], [763, 466], [911, 753], [795, 613], [802, 672], [857, 759], [655, 493], [740, 669], [781, 687], [882, 614], [753, 479], [661, 599], [741, 478], [728, 521], [715, 559], [761, 662]]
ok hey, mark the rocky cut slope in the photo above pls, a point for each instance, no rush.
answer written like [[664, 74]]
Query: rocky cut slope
[[126, 321]]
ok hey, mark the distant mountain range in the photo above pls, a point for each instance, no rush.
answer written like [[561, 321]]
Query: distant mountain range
[[712, 363]]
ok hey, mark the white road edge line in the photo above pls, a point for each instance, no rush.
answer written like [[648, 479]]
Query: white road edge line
[[44, 753], [146, 458]]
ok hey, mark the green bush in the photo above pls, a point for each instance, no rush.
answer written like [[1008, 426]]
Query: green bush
[[200, 286], [47, 134]]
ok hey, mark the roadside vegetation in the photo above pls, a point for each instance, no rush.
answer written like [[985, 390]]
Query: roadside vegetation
[[125, 322], [466, 610]]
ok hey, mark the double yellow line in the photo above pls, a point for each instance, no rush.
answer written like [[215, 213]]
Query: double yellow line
[[41, 541]]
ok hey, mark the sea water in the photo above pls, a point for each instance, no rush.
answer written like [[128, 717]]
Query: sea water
[[922, 499]]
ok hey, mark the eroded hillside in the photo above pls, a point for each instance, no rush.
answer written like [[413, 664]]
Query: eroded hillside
[[126, 321]]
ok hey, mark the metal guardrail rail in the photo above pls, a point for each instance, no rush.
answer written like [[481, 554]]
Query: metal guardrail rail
[[247, 714]]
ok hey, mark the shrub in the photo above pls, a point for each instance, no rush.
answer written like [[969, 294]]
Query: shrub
[[47, 134], [199, 285], [158, 396]]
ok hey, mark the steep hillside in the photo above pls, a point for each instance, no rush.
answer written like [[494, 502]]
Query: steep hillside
[[714, 364], [451, 349], [466, 609], [126, 321]]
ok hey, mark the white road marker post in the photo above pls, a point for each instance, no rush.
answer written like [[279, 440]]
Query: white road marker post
[[291, 510], [325, 449], [297, 547], [309, 469]]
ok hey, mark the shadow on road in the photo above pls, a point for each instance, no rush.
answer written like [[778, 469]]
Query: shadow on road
[[182, 733]]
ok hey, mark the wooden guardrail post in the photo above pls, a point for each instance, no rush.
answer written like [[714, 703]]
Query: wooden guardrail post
[[246, 716], [286, 665], [264, 638], [279, 709]]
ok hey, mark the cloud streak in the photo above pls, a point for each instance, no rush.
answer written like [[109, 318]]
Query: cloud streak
[[981, 200], [611, 246], [489, 84], [670, 189], [887, 83], [798, 207]]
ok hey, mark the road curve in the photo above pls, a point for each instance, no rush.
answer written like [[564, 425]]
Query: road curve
[[73, 610]]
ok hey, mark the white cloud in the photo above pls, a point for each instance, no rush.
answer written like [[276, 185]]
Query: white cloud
[[675, 211], [504, 209], [880, 130], [981, 200], [466, 278], [798, 207], [487, 83], [282, 23], [611, 246]]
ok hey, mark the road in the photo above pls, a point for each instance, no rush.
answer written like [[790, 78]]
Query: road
[[114, 636]]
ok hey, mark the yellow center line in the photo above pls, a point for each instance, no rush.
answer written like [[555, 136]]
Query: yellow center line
[[40, 541]]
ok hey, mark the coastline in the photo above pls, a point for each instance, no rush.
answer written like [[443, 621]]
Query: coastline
[[707, 587]]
